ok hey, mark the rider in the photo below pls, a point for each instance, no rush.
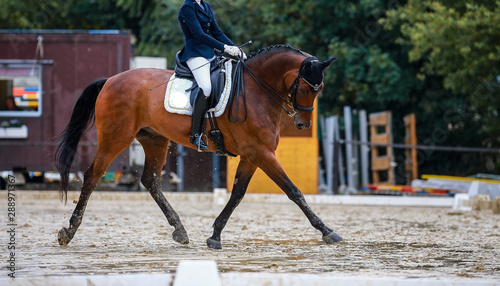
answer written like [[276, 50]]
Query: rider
[[203, 38]]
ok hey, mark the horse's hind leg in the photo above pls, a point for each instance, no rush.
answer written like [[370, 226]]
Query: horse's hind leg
[[105, 154], [244, 173], [155, 148]]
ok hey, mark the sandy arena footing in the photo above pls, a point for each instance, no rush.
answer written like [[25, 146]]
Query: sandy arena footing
[[126, 236]]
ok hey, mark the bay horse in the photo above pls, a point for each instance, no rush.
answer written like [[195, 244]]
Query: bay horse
[[125, 106]]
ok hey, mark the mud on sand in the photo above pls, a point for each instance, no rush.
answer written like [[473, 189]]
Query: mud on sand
[[127, 233]]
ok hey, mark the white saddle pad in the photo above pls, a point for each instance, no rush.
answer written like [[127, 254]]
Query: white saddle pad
[[177, 98]]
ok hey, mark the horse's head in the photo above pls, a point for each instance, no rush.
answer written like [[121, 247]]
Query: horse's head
[[305, 88]]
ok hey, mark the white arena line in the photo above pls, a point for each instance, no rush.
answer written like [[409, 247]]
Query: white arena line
[[243, 279], [93, 280], [205, 273], [396, 201], [221, 196], [271, 279]]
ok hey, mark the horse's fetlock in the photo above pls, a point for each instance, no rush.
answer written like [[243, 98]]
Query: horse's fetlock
[[317, 222], [218, 225], [296, 198]]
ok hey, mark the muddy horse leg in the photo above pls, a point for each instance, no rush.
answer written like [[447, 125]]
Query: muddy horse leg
[[273, 169], [155, 148], [244, 173], [104, 156]]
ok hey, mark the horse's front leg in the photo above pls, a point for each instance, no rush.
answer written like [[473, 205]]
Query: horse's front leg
[[270, 165], [244, 173]]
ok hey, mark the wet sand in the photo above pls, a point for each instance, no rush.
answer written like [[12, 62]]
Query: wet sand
[[127, 233]]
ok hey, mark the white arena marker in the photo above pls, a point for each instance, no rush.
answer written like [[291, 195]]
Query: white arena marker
[[197, 272], [220, 196], [462, 202]]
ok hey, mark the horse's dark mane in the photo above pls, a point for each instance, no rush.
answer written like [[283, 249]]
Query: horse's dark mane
[[264, 51]]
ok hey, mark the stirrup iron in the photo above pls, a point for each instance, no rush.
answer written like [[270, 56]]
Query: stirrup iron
[[197, 140]]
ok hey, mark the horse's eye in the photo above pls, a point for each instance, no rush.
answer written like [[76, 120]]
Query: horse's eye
[[302, 91]]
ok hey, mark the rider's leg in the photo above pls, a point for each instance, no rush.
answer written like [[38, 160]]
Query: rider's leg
[[199, 111], [200, 67]]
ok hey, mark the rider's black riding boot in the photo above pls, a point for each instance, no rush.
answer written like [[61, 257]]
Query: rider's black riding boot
[[198, 117]]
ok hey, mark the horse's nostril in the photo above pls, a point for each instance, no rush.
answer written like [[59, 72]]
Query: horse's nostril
[[300, 125]]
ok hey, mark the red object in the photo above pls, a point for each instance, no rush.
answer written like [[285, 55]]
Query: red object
[[407, 189]]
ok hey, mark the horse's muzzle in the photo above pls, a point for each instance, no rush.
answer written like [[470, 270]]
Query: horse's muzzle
[[302, 125]]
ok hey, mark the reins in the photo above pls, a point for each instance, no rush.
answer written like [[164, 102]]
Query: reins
[[238, 85]]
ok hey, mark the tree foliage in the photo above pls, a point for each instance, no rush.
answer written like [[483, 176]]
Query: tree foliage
[[459, 42]]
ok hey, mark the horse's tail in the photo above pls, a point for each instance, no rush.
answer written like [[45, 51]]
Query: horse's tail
[[83, 114]]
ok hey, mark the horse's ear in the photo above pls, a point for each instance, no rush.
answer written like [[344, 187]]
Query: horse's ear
[[308, 67], [326, 63]]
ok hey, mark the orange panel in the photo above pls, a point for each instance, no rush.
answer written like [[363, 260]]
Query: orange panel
[[298, 157]]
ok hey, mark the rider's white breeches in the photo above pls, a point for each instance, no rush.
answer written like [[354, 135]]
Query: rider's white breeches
[[200, 67]]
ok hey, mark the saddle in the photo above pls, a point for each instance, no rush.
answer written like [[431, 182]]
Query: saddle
[[217, 77]]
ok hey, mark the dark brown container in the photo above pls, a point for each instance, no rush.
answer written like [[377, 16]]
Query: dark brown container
[[69, 60]]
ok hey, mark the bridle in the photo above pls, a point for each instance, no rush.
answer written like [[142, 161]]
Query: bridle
[[290, 100], [292, 92]]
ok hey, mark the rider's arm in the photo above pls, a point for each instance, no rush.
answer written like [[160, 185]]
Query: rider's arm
[[188, 16]]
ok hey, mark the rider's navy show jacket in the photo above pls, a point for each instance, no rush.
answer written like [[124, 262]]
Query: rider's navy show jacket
[[202, 35]]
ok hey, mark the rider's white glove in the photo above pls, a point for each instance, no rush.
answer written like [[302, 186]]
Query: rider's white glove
[[235, 51]]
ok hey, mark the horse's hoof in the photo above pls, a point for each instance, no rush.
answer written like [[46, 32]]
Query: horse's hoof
[[332, 237], [180, 236], [214, 244], [63, 237]]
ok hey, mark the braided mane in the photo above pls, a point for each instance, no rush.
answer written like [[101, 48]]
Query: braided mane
[[264, 51]]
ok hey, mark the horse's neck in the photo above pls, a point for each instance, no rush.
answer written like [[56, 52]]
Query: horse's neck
[[272, 71], [273, 68]]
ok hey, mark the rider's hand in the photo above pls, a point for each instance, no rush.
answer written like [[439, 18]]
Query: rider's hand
[[235, 51]]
